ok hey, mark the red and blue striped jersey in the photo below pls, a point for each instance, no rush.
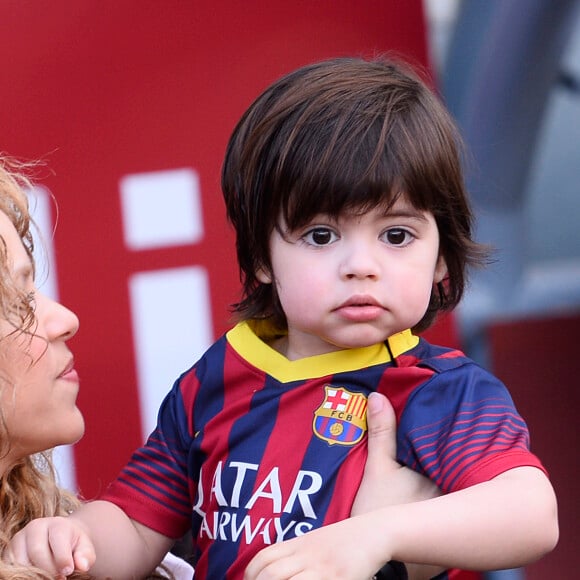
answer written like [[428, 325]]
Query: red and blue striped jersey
[[251, 448]]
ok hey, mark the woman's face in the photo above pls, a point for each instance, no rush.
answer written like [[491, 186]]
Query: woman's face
[[38, 383]]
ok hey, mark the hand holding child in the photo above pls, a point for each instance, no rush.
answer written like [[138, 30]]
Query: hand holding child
[[385, 481]]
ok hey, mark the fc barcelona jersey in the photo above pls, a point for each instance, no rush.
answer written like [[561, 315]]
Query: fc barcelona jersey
[[252, 449]]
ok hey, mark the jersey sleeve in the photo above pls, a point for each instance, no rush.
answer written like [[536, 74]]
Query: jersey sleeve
[[461, 428], [153, 487]]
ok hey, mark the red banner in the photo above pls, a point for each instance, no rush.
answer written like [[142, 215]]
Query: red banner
[[131, 104]]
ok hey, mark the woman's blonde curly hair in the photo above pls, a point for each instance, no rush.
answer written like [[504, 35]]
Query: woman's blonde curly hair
[[28, 489]]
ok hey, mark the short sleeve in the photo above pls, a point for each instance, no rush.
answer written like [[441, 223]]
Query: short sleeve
[[153, 488], [461, 428]]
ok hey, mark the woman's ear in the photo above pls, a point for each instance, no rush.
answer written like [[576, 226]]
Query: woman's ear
[[440, 270], [263, 276]]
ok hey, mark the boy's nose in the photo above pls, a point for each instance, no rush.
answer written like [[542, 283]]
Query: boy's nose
[[360, 262]]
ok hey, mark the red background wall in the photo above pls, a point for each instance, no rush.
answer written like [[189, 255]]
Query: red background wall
[[538, 359], [104, 89]]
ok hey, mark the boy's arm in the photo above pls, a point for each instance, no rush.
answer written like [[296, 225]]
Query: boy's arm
[[98, 536], [507, 522]]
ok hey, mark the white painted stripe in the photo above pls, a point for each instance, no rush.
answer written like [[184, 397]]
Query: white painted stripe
[[161, 209], [172, 328]]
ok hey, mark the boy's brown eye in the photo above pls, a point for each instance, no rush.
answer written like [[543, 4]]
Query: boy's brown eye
[[397, 236], [320, 236]]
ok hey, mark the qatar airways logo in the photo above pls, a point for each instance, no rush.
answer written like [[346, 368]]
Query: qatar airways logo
[[238, 520]]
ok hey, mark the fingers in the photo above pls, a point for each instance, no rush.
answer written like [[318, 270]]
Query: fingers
[[273, 563], [47, 544], [321, 553], [30, 547], [71, 550], [381, 466], [382, 429], [84, 554]]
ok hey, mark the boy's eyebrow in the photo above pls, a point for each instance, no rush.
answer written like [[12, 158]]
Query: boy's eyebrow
[[406, 212]]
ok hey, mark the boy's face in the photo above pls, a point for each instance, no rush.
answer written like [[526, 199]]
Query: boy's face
[[354, 281]]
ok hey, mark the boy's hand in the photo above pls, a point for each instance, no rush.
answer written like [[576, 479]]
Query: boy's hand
[[349, 550], [385, 482], [58, 545]]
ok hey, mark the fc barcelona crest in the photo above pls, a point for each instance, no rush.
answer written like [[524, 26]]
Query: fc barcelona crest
[[342, 417]]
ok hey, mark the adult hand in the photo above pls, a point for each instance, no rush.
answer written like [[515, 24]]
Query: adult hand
[[385, 482]]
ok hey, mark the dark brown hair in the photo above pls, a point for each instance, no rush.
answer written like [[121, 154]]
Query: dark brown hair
[[345, 135]]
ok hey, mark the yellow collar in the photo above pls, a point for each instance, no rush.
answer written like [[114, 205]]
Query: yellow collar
[[245, 340]]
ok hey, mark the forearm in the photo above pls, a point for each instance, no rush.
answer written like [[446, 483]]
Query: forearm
[[507, 522], [124, 548], [503, 523]]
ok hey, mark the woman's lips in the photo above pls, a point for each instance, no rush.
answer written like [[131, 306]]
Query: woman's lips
[[69, 373]]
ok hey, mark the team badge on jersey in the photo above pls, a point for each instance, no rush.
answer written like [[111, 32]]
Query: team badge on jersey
[[342, 417]]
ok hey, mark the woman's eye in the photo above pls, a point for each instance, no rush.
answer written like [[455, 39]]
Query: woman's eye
[[25, 279], [320, 237], [398, 237]]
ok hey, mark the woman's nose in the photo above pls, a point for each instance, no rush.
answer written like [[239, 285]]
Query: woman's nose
[[59, 322]]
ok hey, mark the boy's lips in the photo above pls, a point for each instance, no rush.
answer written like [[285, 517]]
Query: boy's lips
[[360, 309]]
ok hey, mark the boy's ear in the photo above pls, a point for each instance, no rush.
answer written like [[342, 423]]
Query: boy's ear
[[263, 276], [440, 270]]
